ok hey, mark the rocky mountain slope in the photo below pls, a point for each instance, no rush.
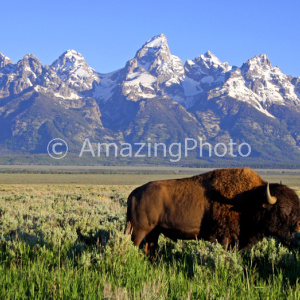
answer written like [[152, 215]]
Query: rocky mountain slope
[[155, 96]]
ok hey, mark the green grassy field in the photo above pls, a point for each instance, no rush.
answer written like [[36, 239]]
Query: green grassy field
[[64, 240]]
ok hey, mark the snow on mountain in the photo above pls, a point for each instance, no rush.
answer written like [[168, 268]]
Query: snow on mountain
[[209, 64], [4, 60], [167, 67], [207, 69], [152, 70], [139, 100], [104, 90], [72, 68], [155, 57], [139, 85], [268, 82], [30, 67], [14, 79], [202, 74], [235, 87], [257, 82]]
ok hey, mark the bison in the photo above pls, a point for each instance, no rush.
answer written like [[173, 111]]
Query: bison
[[229, 206]]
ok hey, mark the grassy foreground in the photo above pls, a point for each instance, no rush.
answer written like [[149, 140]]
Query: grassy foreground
[[67, 242]]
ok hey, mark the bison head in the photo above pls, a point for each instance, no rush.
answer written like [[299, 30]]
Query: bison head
[[281, 210]]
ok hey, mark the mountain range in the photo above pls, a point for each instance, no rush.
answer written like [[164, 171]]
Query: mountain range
[[155, 96]]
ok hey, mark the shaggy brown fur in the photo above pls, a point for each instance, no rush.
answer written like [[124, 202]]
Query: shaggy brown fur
[[225, 205]]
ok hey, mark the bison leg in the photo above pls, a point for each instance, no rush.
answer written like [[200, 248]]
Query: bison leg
[[151, 240], [137, 236], [152, 243]]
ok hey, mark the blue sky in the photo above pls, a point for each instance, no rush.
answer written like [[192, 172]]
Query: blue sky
[[108, 33]]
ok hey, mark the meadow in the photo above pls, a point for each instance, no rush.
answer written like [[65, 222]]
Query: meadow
[[64, 240]]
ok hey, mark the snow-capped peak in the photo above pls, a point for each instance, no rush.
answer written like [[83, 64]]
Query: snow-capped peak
[[68, 62], [29, 55], [153, 53], [205, 72], [29, 61], [71, 67], [73, 57], [4, 60], [210, 59], [261, 60], [72, 52], [31, 65], [152, 69], [156, 42], [268, 82], [210, 62], [155, 57]]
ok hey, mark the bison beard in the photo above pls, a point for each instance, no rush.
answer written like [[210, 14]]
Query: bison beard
[[230, 206]]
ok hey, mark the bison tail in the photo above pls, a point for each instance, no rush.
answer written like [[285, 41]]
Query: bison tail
[[129, 228]]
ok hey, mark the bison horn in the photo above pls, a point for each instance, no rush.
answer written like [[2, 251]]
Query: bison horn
[[271, 199]]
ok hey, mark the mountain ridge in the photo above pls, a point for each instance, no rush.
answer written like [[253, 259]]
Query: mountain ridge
[[203, 97]]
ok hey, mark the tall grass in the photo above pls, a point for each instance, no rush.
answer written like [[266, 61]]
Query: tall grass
[[66, 242]]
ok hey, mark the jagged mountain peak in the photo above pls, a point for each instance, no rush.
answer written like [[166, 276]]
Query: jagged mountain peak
[[152, 70], [69, 60], [29, 55], [209, 61], [261, 60], [70, 57], [268, 82], [4, 60], [72, 53], [260, 66], [153, 52], [264, 58], [203, 73], [209, 54], [29, 64], [157, 41], [72, 68]]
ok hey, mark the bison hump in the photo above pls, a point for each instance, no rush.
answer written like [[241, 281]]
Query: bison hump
[[231, 182]]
